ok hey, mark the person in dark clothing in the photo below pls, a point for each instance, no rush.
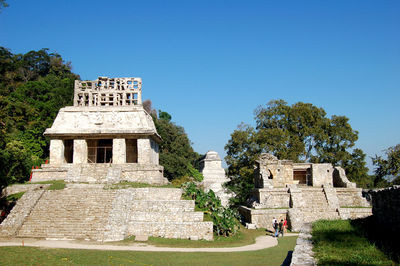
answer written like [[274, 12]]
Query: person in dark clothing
[[276, 229], [280, 227]]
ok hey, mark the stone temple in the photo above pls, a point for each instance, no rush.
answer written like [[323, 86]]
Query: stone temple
[[301, 193], [105, 138]]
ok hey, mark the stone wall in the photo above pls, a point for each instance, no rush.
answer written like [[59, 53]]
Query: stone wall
[[271, 198], [322, 174], [102, 173], [385, 208], [262, 218], [21, 210], [340, 179], [351, 197], [354, 213]]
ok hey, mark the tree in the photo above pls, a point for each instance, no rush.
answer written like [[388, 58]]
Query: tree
[[176, 152], [33, 87], [242, 151], [387, 171], [147, 106], [300, 132]]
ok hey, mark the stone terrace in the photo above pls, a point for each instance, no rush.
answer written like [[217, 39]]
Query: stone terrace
[[90, 212]]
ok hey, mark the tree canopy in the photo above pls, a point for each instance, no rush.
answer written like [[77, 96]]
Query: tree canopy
[[300, 132], [33, 87], [387, 171]]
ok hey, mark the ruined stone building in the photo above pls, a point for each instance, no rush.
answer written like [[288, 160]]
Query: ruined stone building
[[105, 138], [106, 132], [301, 192]]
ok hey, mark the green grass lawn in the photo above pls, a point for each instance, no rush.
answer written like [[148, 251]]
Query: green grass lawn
[[37, 256], [339, 242], [242, 238]]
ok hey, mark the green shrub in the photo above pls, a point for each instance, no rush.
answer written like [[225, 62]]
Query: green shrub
[[225, 220], [178, 182], [195, 173]]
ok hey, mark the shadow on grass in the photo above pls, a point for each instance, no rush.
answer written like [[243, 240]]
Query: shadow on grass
[[288, 259], [381, 236]]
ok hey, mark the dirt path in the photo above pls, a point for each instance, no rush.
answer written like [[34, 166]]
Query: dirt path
[[261, 243]]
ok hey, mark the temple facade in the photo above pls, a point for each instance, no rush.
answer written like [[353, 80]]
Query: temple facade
[[301, 193], [106, 136]]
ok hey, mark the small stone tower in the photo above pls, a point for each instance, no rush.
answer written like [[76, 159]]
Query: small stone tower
[[214, 176]]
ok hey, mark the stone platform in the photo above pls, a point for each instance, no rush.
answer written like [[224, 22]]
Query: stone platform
[[305, 204], [101, 173], [93, 212]]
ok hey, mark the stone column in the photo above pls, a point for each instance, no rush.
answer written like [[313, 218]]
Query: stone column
[[80, 151], [144, 151], [56, 151], [119, 151]]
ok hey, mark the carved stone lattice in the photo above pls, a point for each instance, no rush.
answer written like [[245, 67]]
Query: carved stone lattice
[[108, 92]]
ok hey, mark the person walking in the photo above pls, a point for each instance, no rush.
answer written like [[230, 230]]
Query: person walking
[[280, 228], [276, 228], [274, 221], [285, 226]]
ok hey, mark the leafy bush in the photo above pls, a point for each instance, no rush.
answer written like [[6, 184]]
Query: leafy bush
[[225, 220], [195, 173], [178, 182]]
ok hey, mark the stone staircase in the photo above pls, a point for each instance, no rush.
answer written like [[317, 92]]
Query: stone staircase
[[309, 204], [316, 206], [71, 213], [84, 211]]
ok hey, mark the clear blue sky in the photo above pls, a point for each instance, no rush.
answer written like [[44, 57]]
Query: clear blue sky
[[211, 63]]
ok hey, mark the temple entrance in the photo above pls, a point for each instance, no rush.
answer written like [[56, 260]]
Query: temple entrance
[[131, 151], [99, 150], [301, 176], [68, 150]]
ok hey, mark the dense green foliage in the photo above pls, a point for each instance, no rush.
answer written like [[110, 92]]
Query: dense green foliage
[[342, 242], [33, 87], [387, 171], [300, 132], [225, 220], [197, 176]]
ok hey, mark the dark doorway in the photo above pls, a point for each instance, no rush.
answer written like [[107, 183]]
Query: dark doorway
[[99, 150], [131, 151], [68, 150], [300, 175]]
